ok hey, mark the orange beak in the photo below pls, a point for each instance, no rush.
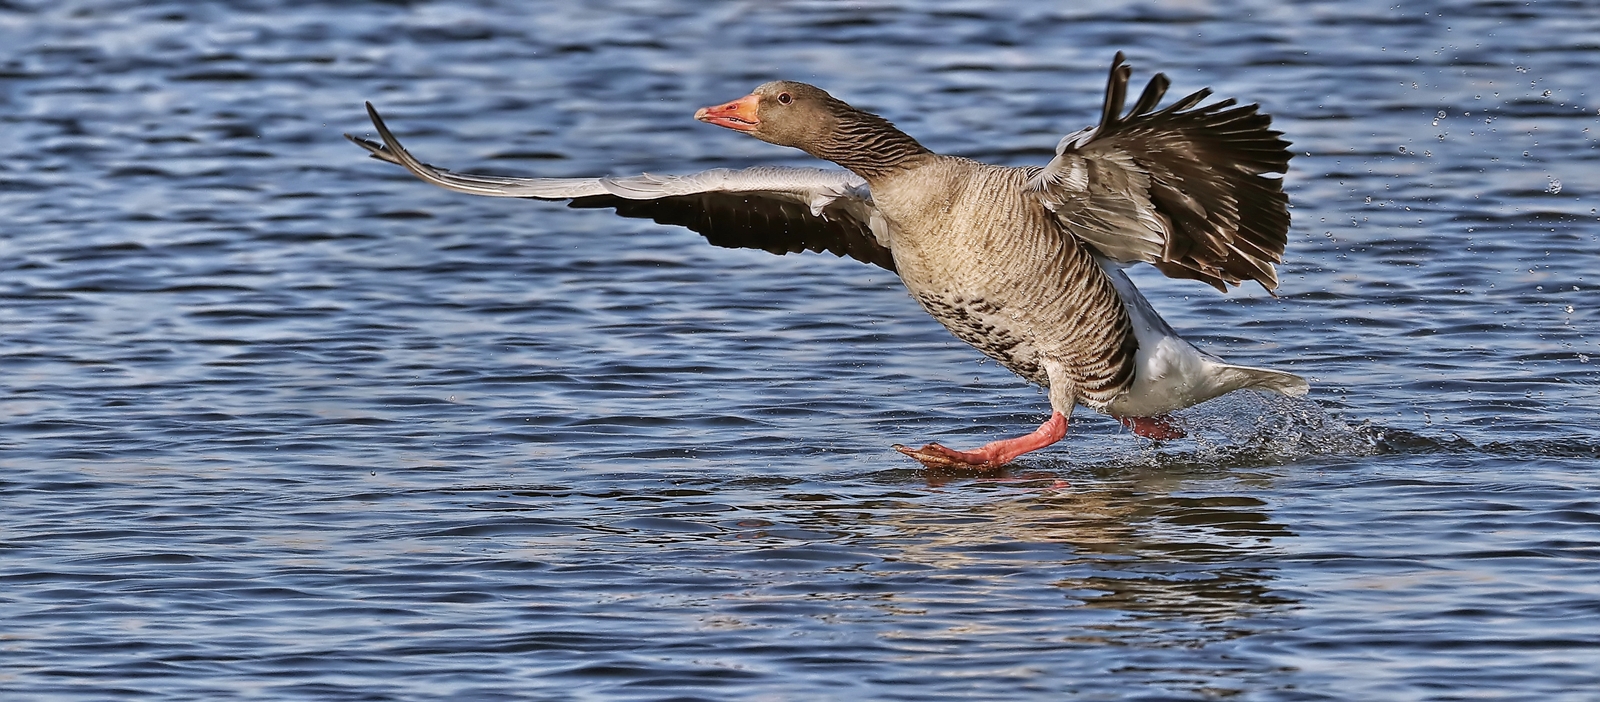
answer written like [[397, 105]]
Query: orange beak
[[739, 115]]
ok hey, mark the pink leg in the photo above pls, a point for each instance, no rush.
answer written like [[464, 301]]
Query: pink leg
[[1158, 428], [994, 454]]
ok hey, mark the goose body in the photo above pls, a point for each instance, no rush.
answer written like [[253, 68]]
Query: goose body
[[987, 261], [1024, 264]]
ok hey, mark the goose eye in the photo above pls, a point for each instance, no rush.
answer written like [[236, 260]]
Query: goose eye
[[784, 99]]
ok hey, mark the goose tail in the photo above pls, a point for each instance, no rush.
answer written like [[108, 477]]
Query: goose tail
[[1240, 377], [1171, 373]]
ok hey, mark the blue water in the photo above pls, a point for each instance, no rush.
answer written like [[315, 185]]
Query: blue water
[[278, 421]]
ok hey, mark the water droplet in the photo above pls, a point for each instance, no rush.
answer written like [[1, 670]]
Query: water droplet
[[1555, 186], [1441, 114], [1546, 94], [1569, 309]]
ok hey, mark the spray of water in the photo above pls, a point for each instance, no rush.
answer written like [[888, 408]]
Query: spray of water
[[1273, 428]]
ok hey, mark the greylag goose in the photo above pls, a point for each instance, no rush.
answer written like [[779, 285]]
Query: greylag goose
[[1025, 264]]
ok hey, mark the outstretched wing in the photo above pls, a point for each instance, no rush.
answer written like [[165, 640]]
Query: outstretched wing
[[775, 209], [1188, 189]]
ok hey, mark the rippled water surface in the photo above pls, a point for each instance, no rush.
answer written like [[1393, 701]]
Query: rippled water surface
[[278, 421]]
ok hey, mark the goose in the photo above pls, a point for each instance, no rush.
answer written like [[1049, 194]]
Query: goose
[[1023, 263]]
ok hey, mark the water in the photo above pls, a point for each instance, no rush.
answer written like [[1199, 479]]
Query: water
[[279, 422]]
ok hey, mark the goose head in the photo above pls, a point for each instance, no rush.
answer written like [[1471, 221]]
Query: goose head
[[783, 112], [805, 117]]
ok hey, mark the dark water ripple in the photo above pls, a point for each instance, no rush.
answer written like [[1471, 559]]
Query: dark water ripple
[[277, 421]]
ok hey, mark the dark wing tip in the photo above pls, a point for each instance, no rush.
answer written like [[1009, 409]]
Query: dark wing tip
[[1116, 94], [1188, 101], [374, 149], [1153, 92], [377, 123], [382, 152]]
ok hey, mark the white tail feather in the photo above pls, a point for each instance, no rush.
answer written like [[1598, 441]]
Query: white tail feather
[[1264, 379], [1171, 373]]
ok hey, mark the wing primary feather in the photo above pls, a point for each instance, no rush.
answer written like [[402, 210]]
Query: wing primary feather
[[1187, 101], [1153, 92], [1116, 94]]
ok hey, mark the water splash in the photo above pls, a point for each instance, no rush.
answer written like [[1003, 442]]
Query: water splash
[[1268, 428], [1256, 429]]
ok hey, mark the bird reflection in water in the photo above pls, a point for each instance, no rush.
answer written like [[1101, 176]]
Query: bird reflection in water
[[1132, 544]]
